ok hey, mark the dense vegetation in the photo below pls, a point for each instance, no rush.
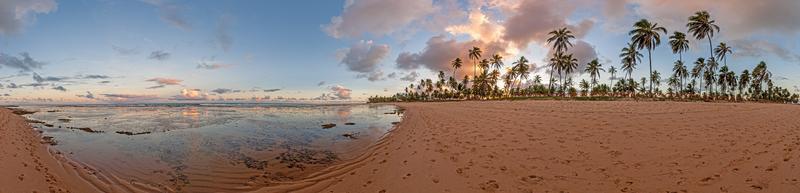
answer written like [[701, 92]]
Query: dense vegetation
[[706, 80]]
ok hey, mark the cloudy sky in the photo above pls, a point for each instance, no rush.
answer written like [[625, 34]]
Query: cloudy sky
[[181, 50]]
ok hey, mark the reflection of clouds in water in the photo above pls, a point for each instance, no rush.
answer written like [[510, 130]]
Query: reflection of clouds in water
[[191, 112], [343, 113]]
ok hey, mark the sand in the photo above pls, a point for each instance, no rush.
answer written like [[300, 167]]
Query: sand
[[27, 165], [572, 146], [527, 146]]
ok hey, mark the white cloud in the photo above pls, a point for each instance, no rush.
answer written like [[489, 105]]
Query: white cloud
[[15, 14], [377, 17]]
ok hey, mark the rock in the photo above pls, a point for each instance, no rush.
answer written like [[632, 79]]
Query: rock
[[328, 126], [132, 133], [351, 135], [349, 123]]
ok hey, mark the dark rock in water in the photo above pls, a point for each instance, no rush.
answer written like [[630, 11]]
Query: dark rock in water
[[328, 126], [349, 123], [49, 140], [395, 123], [53, 111], [21, 111], [298, 158], [48, 125], [34, 121], [65, 120], [85, 129], [351, 135], [132, 133]]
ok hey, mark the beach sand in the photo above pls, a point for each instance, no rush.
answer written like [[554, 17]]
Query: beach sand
[[27, 165], [526, 146], [573, 146]]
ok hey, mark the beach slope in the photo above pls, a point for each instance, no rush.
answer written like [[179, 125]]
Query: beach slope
[[26, 165], [572, 146]]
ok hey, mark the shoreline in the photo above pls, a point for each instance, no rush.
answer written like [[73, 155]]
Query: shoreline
[[30, 165], [577, 146]]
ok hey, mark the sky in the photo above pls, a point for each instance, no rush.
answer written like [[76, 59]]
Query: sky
[[110, 51]]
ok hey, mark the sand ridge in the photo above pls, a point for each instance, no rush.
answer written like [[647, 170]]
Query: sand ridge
[[574, 146]]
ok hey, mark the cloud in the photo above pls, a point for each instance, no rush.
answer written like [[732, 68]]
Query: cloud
[[104, 82], [364, 57], [440, 50], [15, 14], [125, 51], [88, 95], [61, 88], [225, 91], [581, 50], [761, 48], [340, 92], [38, 78], [410, 77], [93, 76], [738, 18], [191, 94], [321, 83], [170, 13], [23, 63], [377, 17], [129, 97], [271, 90], [162, 82], [159, 55], [211, 65], [222, 38], [532, 20]]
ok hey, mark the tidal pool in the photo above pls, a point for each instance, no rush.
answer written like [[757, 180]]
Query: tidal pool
[[211, 147]]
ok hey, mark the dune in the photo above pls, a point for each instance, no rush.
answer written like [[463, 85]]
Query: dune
[[572, 146]]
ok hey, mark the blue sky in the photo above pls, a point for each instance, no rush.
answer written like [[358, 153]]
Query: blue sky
[[162, 50]]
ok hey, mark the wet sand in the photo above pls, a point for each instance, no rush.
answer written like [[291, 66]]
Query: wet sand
[[572, 146], [27, 165], [532, 146]]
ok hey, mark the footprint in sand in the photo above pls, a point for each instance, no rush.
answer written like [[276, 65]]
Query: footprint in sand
[[489, 186]]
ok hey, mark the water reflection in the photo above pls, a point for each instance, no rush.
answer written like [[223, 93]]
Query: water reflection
[[213, 148]]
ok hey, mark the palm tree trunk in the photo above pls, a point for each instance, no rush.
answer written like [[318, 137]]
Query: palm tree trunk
[[650, 57]]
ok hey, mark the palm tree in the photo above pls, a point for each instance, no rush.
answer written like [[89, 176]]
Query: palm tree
[[560, 39], [496, 61], [593, 68], [699, 68], [613, 71], [537, 80], [484, 65], [561, 42], [722, 80], [568, 64], [722, 52], [702, 26], [646, 35], [680, 72], [456, 64], [584, 87], [521, 69], [744, 79], [475, 55], [630, 56], [679, 44], [712, 69], [655, 78]]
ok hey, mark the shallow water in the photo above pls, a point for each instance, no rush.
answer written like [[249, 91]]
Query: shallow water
[[202, 148]]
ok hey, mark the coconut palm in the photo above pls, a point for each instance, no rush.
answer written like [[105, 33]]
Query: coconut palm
[[680, 72], [537, 80], [521, 69], [475, 55], [456, 64], [560, 39], [497, 61], [647, 35], [630, 56], [679, 44], [568, 65], [593, 68], [744, 80], [711, 66], [484, 65], [722, 80], [702, 26], [699, 68], [613, 71], [722, 52], [655, 78]]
